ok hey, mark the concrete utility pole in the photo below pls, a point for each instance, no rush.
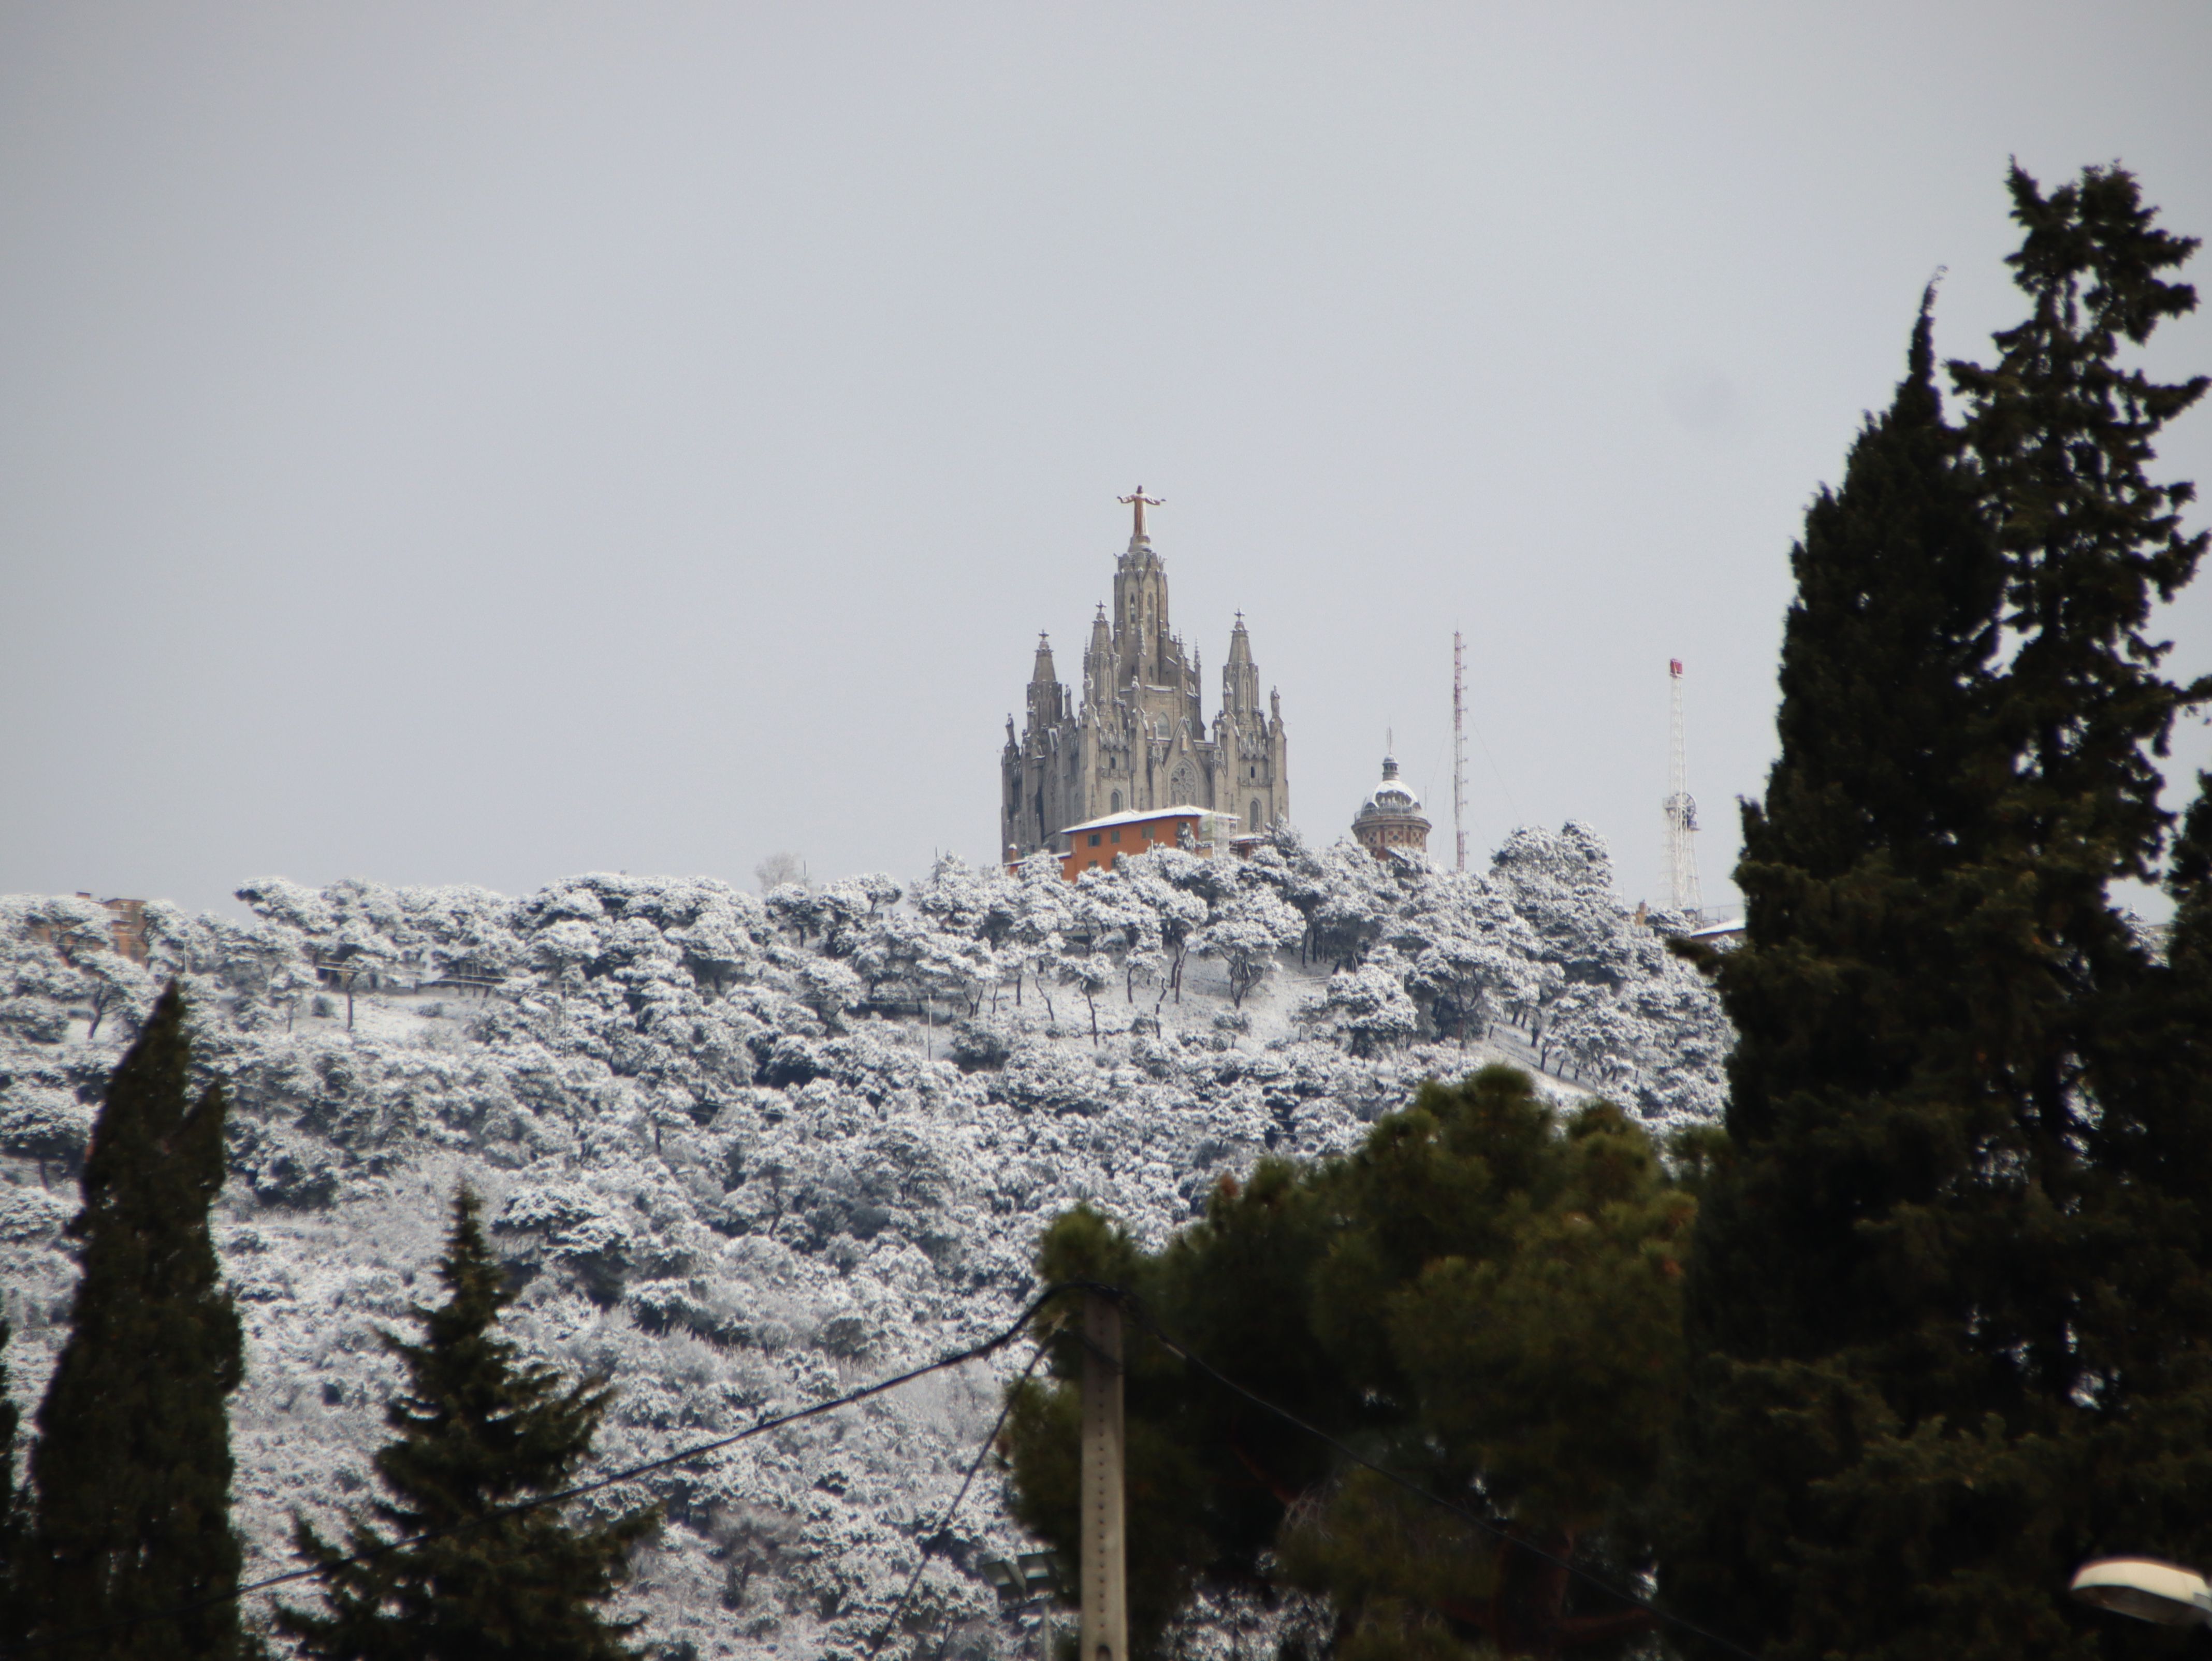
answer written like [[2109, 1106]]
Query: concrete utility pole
[[1105, 1582]]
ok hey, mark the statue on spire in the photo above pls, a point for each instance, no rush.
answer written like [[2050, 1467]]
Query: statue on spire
[[1140, 501]]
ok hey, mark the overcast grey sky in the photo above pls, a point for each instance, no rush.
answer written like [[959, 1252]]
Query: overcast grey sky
[[470, 443]]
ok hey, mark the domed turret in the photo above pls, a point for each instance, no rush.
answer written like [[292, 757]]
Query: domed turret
[[1391, 819]]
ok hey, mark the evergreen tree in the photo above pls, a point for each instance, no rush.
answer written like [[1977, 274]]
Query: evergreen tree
[[1483, 1297], [1945, 1294], [1849, 976], [2064, 434], [2172, 1052], [11, 1515], [132, 1465], [478, 1433]]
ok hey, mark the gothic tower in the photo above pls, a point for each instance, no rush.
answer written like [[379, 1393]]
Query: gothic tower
[[1138, 740]]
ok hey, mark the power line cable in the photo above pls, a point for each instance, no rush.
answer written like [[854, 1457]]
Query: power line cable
[[990, 1345], [1144, 1318], [946, 1521], [1497, 772], [997, 1342]]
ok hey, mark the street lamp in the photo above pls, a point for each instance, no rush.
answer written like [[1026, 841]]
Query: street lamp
[[2147, 1589]]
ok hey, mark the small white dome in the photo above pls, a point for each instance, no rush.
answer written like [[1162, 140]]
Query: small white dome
[[1393, 795]]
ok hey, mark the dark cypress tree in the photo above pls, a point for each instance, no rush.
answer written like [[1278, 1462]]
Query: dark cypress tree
[[478, 1433], [132, 1465], [1848, 978], [1945, 1297], [11, 1515]]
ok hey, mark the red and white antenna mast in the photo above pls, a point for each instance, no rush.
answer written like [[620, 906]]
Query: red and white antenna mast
[[1683, 895], [1459, 746]]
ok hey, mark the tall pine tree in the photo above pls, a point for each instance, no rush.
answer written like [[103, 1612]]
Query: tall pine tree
[[132, 1465], [1944, 1305], [2168, 1064], [2064, 433], [478, 1433], [1484, 1297]]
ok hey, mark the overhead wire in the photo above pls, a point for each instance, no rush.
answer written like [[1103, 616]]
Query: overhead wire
[[946, 1521], [1144, 1318], [974, 1352]]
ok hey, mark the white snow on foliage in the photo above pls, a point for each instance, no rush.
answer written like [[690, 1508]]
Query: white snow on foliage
[[743, 1154]]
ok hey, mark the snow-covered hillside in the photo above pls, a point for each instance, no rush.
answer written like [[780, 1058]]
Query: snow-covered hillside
[[745, 1153]]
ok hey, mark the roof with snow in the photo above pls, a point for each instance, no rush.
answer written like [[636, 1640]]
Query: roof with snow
[[1393, 795], [1140, 815]]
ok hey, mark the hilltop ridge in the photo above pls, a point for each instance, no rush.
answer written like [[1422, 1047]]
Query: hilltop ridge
[[743, 1152]]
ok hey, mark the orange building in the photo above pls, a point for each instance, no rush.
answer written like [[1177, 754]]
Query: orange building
[[1096, 842], [127, 928]]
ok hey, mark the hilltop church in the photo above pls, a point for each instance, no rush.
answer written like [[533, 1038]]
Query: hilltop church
[[1139, 740]]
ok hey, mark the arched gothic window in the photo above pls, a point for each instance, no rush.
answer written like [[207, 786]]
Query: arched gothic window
[[1117, 801], [1255, 824]]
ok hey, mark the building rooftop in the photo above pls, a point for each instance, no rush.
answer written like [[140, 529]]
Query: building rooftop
[[1140, 815], [1393, 795]]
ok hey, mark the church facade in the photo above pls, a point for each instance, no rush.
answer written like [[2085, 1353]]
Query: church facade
[[1138, 739]]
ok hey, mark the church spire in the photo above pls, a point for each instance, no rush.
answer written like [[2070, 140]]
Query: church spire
[[1136, 728], [1048, 698], [1240, 678], [1098, 663]]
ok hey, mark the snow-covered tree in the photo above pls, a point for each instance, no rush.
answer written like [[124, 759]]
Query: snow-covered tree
[[1366, 1007], [778, 870], [1245, 934], [725, 1174], [47, 1125]]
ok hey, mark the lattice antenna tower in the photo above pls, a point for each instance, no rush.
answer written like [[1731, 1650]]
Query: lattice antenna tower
[[1683, 895], [1459, 746]]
